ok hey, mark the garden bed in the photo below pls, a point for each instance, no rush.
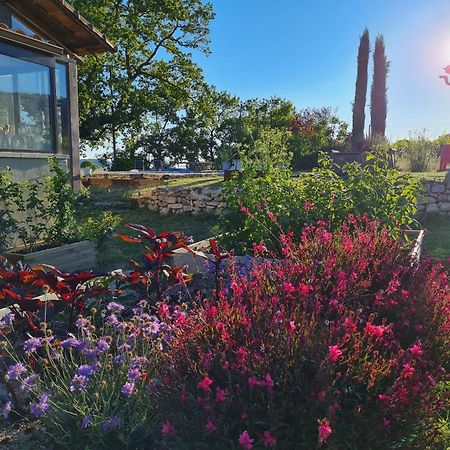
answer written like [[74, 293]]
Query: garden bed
[[73, 257]]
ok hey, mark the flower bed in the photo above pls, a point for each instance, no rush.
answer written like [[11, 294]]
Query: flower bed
[[339, 342]]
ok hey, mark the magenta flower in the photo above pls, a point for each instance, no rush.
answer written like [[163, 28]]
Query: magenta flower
[[168, 429], [373, 330], [221, 395], [334, 353], [408, 371], [324, 430], [268, 440], [246, 441], [416, 350], [210, 427], [205, 384]]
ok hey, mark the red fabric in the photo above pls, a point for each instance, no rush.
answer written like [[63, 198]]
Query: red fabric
[[445, 157]]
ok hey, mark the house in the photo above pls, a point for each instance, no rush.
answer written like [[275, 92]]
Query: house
[[41, 43]]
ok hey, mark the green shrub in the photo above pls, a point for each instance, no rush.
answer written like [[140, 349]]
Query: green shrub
[[419, 153], [375, 190], [37, 213]]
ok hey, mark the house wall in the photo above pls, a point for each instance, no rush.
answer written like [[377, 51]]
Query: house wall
[[30, 165]]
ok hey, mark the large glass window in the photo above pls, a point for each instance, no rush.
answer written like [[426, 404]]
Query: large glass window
[[24, 105], [62, 108]]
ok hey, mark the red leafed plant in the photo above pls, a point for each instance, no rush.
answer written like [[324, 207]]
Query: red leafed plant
[[339, 343], [23, 288], [158, 249]]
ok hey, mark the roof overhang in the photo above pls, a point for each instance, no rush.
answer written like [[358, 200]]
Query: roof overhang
[[61, 23]]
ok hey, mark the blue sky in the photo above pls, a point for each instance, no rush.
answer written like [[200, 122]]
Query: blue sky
[[305, 50]]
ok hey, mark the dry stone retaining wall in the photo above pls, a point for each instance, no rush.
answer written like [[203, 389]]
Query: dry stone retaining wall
[[435, 197], [174, 199]]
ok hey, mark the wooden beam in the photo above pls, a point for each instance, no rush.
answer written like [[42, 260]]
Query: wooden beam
[[74, 126]]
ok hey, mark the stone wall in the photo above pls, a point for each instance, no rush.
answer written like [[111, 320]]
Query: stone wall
[[435, 197], [171, 199], [174, 199]]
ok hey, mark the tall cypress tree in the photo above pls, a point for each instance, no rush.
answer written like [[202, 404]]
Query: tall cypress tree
[[378, 107], [359, 104]]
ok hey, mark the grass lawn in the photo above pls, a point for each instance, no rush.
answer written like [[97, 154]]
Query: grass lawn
[[115, 253], [437, 240]]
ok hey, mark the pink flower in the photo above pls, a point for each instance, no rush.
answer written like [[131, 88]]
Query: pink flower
[[245, 210], [252, 382], [210, 426], [408, 371], [307, 206], [163, 311], [268, 440], [205, 384], [373, 330], [245, 441], [349, 325], [168, 429], [291, 329], [221, 395], [334, 352], [288, 288], [268, 382], [324, 430], [416, 350]]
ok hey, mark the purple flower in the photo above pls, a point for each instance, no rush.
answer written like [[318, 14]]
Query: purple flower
[[86, 421], [7, 320], [32, 344], [82, 323], [124, 347], [112, 319], [72, 342], [41, 408], [85, 370], [15, 370], [139, 361], [134, 374], [79, 383], [114, 307], [111, 423], [29, 382], [102, 345], [118, 359], [89, 353], [6, 410], [128, 389]]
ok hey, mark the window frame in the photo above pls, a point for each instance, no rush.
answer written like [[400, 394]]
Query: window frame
[[24, 54]]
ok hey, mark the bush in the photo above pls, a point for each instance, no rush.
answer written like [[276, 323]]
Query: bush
[[339, 344], [375, 190], [419, 152]]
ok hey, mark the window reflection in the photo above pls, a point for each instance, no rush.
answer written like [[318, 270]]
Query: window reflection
[[24, 105], [62, 107]]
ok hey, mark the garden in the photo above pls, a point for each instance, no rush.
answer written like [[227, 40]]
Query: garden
[[299, 301], [313, 324]]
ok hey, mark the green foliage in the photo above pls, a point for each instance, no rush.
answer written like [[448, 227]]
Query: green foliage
[[269, 153], [60, 204], [359, 104], [314, 130], [419, 151], [97, 228], [293, 203], [153, 68], [43, 213]]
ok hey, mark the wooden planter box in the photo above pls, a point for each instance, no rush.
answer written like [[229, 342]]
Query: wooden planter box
[[68, 258]]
